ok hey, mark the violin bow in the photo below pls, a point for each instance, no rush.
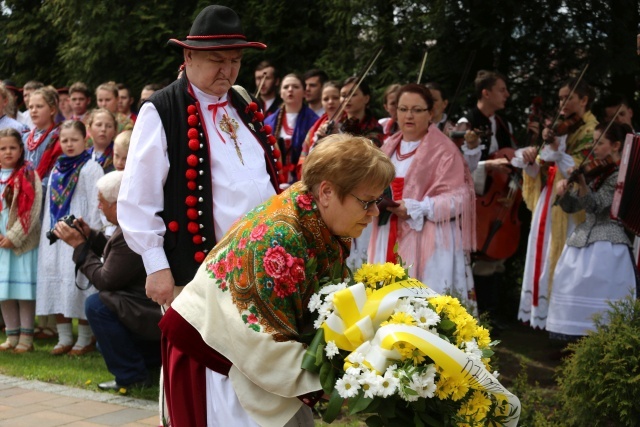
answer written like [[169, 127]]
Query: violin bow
[[264, 77], [463, 79], [593, 146], [353, 90], [574, 174], [573, 89], [424, 61]]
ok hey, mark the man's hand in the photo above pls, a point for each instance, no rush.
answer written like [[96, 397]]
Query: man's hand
[[499, 165], [159, 287], [69, 235], [471, 139], [82, 226]]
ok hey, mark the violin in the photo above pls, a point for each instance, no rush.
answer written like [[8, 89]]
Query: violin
[[591, 170], [597, 167], [568, 125]]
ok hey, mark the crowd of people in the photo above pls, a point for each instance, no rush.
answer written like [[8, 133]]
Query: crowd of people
[[201, 210]]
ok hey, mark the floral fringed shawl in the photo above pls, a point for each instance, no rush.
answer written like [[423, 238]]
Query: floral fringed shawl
[[249, 300]]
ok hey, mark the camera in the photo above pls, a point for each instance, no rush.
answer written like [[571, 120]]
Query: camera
[[67, 219]]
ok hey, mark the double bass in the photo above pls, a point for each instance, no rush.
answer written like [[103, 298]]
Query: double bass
[[497, 220]]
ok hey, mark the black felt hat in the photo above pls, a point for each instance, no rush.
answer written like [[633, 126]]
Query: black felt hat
[[216, 28]]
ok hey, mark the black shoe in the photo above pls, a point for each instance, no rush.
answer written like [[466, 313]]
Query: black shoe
[[114, 386]]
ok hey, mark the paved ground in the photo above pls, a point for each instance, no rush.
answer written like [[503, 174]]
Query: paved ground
[[25, 403]]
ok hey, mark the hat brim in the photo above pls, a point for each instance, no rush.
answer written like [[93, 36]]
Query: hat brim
[[226, 44]]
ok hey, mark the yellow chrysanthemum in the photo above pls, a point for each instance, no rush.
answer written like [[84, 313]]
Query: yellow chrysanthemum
[[459, 389], [402, 318], [482, 337]]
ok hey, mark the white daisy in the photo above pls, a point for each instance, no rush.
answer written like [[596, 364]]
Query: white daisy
[[347, 386], [371, 383], [426, 318], [472, 350], [389, 384], [331, 349], [315, 302]]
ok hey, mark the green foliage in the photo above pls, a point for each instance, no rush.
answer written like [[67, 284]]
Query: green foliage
[[537, 43], [540, 407], [600, 384]]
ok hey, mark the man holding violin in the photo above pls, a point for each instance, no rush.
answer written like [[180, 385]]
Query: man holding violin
[[487, 133]]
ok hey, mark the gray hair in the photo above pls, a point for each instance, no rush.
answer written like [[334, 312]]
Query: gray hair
[[109, 186]]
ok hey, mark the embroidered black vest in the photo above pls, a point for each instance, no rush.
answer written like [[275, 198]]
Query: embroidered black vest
[[188, 198], [477, 120]]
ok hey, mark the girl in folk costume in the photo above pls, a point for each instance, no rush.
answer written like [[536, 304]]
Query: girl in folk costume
[[107, 97], [71, 190], [440, 104], [550, 225], [330, 103], [390, 104], [359, 119], [433, 223], [41, 144], [102, 128], [596, 265], [20, 204], [290, 124]]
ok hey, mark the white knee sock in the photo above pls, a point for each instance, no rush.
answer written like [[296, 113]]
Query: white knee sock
[[84, 336], [65, 334]]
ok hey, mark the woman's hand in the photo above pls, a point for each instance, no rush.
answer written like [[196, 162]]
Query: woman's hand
[[5, 243], [399, 211], [529, 155], [561, 187]]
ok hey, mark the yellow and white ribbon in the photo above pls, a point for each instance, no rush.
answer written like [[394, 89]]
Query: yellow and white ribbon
[[355, 326]]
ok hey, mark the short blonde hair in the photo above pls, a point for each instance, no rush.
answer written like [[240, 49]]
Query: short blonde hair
[[50, 96], [123, 139], [346, 161], [96, 111]]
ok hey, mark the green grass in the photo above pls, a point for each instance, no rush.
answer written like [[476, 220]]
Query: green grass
[[84, 372], [522, 359]]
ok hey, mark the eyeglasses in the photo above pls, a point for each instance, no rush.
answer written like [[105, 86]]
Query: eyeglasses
[[414, 110], [367, 205]]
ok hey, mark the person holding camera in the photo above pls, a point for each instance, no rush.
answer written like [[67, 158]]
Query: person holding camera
[[123, 319], [71, 190]]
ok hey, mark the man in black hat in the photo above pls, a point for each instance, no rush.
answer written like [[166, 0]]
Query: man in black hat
[[200, 157]]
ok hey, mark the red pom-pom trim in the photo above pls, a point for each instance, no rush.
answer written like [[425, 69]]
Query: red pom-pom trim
[[192, 214], [197, 239], [194, 144], [257, 117], [193, 227], [266, 129], [192, 133], [191, 185], [252, 107], [191, 201], [199, 257], [193, 120], [191, 109], [191, 174], [271, 139], [276, 153], [192, 160], [173, 226], [278, 165]]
